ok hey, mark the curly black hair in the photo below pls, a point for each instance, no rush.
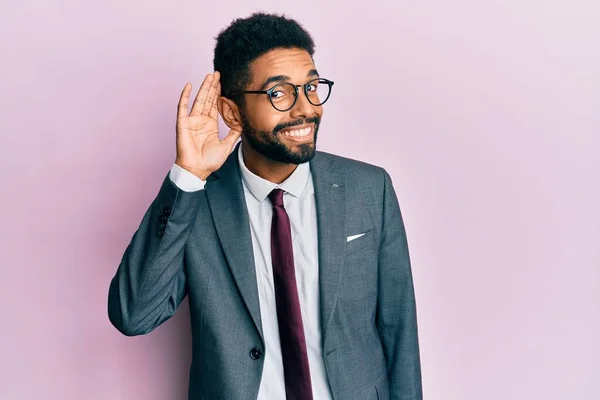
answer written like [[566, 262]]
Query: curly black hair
[[246, 39]]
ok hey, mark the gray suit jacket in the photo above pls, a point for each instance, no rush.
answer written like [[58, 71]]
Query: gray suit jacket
[[198, 244]]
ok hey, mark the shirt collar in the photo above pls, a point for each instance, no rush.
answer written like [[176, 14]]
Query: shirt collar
[[260, 188]]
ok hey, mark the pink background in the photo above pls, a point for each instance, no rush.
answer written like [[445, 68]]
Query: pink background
[[485, 113]]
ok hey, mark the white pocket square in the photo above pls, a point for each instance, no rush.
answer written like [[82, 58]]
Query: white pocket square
[[350, 238]]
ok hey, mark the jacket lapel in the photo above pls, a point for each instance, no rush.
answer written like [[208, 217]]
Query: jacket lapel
[[225, 195], [330, 198]]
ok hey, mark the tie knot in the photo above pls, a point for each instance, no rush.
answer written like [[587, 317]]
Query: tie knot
[[276, 197]]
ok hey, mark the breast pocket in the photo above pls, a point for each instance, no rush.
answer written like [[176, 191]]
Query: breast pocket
[[362, 240]]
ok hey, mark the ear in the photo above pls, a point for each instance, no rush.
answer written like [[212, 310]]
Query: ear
[[230, 113]]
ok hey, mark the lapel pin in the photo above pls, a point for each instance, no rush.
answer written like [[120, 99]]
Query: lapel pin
[[335, 185]]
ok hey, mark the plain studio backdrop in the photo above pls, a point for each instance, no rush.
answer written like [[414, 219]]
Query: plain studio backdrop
[[486, 113]]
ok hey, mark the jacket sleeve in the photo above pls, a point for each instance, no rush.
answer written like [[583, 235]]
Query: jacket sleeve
[[150, 282], [396, 307]]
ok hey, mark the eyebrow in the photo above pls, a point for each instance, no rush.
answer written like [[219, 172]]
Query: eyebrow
[[283, 78]]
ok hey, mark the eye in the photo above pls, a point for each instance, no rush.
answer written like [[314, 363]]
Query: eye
[[311, 87], [277, 94]]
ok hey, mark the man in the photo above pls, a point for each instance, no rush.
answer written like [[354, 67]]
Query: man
[[295, 261]]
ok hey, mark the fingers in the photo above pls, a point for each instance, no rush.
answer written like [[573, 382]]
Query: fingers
[[182, 107], [200, 100], [211, 99]]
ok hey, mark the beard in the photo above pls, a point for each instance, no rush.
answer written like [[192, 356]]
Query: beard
[[270, 145]]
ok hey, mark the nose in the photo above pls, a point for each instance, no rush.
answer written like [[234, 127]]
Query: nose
[[302, 108]]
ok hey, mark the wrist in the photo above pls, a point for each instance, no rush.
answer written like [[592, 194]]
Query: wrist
[[200, 173]]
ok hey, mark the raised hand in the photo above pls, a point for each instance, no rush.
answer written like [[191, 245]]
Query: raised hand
[[199, 149]]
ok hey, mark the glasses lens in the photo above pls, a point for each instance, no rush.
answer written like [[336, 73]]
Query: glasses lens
[[318, 91], [283, 95]]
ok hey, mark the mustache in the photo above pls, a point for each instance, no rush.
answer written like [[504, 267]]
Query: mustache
[[279, 127]]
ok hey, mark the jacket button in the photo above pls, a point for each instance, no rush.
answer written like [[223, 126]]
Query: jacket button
[[256, 353], [163, 218], [167, 211], [160, 233]]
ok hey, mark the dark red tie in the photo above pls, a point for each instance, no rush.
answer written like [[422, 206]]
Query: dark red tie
[[289, 317]]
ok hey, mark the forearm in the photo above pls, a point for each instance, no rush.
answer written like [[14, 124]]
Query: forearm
[[150, 281], [397, 317]]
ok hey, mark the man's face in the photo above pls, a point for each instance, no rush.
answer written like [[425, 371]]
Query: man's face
[[273, 133]]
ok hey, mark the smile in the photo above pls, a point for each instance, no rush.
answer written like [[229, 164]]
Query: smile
[[298, 133]]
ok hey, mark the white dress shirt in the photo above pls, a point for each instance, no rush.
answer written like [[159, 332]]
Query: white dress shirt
[[299, 202]]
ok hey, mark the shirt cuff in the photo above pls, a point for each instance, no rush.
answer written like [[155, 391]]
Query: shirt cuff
[[185, 180]]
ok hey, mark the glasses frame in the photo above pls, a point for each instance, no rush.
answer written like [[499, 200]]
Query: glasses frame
[[270, 91]]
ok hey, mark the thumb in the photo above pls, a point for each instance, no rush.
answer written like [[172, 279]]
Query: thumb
[[231, 138]]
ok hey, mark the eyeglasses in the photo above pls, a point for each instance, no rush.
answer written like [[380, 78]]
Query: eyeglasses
[[284, 96]]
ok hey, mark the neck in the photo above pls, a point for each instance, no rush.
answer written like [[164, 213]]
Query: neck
[[268, 169]]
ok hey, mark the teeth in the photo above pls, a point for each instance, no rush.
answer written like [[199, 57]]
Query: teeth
[[297, 132]]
